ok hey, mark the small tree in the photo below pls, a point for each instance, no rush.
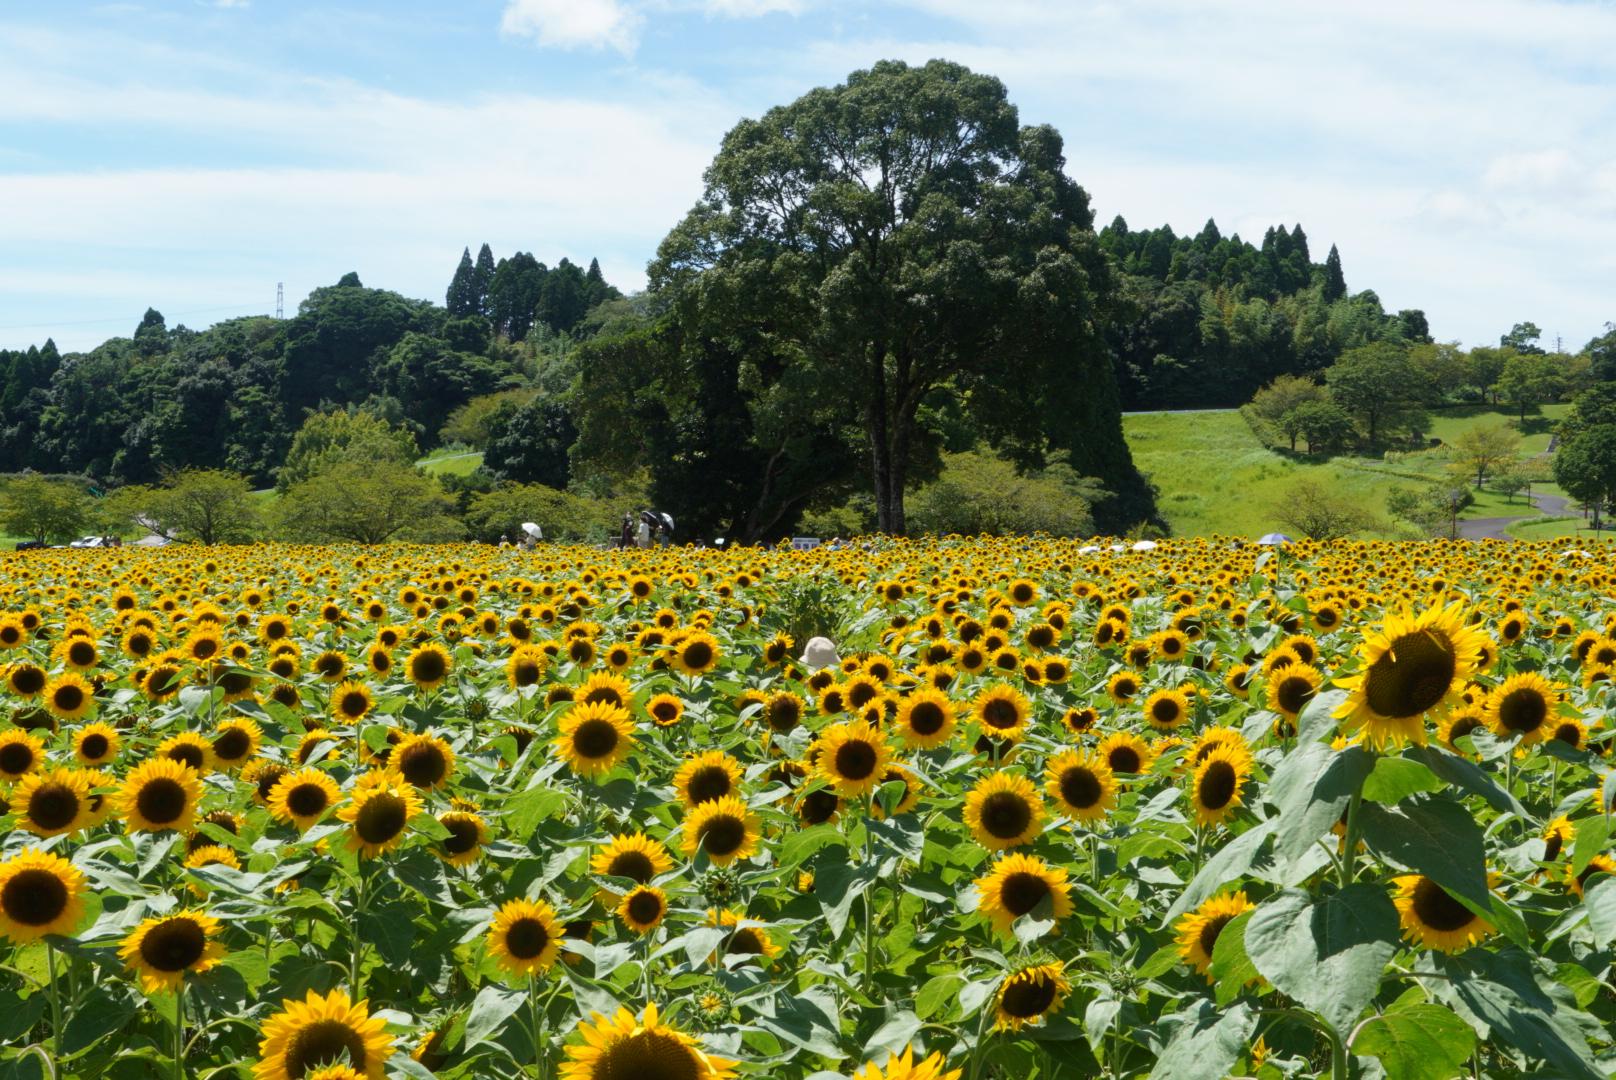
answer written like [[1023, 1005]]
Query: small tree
[[1511, 480], [562, 515], [1527, 381], [209, 506], [1377, 386], [1485, 448], [368, 504], [1275, 403], [1585, 466], [1324, 424], [331, 437], [1434, 509], [45, 509], [979, 493], [1311, 509]]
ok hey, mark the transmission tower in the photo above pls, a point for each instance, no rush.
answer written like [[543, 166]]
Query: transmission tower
[[280, 301]]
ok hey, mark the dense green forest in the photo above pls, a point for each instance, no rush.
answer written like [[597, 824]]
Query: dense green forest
[[890, 297]]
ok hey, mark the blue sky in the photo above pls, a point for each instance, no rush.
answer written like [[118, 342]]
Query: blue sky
[[189, 154]]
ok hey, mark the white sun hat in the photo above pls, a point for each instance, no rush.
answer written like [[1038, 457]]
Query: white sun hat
[[820, 652]]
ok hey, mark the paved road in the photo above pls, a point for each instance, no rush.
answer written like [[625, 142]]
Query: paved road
[[1492, 528]]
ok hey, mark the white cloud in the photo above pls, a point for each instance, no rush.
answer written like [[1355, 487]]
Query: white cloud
[[572, 24], [751, 9]]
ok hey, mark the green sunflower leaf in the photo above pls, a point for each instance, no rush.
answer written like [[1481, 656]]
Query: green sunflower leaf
[[1330, 953], [1419, 1042]]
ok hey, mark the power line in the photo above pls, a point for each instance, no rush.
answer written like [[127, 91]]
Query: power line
[[127, 318]]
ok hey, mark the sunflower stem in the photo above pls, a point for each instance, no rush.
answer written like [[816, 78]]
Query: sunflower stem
[[179, 1031], [869, 918], [537, 1016], [355, 972], [1349, 853], [55, 1001]]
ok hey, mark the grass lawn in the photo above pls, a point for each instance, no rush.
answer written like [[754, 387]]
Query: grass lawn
[[1216, 477], [1568, 529], [452, 464]]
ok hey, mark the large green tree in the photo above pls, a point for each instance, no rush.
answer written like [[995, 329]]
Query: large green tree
[[208, 506], [899, 235], [1377, 385], [1585, 466], [44, 508], [368, 503]]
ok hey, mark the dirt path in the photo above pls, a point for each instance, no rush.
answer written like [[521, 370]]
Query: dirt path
[[1492, 528]]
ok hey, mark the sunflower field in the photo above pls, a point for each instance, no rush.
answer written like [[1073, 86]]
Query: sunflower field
[[940, 810]]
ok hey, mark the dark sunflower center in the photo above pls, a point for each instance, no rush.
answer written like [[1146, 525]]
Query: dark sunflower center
[[1437, 909], [235, 682], [383, 817], [1293, 693], [603, 695], [649, 1055], [1552, 846], [1208, 938], [526, 938], [644, 908], [595, 739], [232, 744], [1217, 785], [53, 806], [927, 718], [1523, 710], [16, 758], [1005, 815], [354, 703], [708, 783], [204, 648], [666, 712], [324, 1042], [34, 898], [427, 667], [173, 945], [1021, 892], [68, 697], [94, 746], [1569, 734], [161, 801], [526, 673], [1165, 711], [422, 764], [1028, 996], [723, 835], [268, 779], [1124, 759], [307, 800], [329, 666], [28, 681], [634, 865], [698, 654], [1462, 727], [1080, 787], [1000, 714], [1412, 676], [784, 714], [746, 942], [855, 760], [188, 754], [462, 835], [1127, 688], [819, 806]]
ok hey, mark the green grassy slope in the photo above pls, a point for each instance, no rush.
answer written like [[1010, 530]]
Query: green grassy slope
[[1216, 477], [451, 463]]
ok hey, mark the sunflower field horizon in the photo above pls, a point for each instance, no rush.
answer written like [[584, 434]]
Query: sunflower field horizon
[[1027, 810]]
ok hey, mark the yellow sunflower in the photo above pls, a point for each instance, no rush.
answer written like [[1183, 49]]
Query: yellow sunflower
[[26, 681], [665, 710], [51, 803], [1198, 930], [468, 834], [643, 908], [322, 1030], [1522, 707], [1123, 687], [21, 752], [633, 856], [1412, 666], [159, 794], [1290, 688], [748, 940], [1125, 753], [162, 950], [1004, 811], [69, 696], [40, 893], [1082, 784], [725, 829], [695, 654], [428, 666], [188, 748], [1215, 785], [595, 737], [853, 757], [1001, 711], [378, 812], [707, 776], [351, 702], [904, 1067], [1433, 919], [1016, 885], [1166, 709], [235, 742], [644, 1048], [1029, 995], [303, 798], [525, 937], [424, 760]]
